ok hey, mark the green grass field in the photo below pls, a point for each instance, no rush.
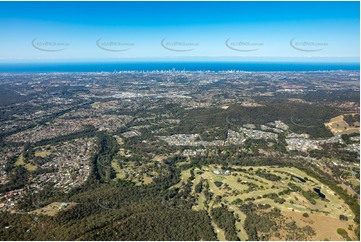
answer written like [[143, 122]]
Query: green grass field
[[21, 162], [42, 154]]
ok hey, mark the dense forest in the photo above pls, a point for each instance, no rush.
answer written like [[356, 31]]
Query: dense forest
[[301, 118], [226, 221]]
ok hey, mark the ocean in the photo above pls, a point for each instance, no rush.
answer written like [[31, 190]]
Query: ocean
[[179, 66]]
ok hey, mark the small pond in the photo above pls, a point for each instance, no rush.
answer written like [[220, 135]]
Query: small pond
[[301, 179], [320, 194]]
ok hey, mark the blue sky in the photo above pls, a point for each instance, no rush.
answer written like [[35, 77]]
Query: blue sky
[[170, 30]]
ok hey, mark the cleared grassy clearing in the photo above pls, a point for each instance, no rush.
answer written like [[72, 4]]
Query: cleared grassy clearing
[[53, 208], [95, 105], [31, 167], [325, 227], [42, 154], [338, 125], [20, 161]]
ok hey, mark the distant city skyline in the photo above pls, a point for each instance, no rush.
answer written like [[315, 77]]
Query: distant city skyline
[[192, 31]]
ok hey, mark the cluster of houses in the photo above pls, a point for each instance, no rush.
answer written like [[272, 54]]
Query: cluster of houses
[[68, 166]]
